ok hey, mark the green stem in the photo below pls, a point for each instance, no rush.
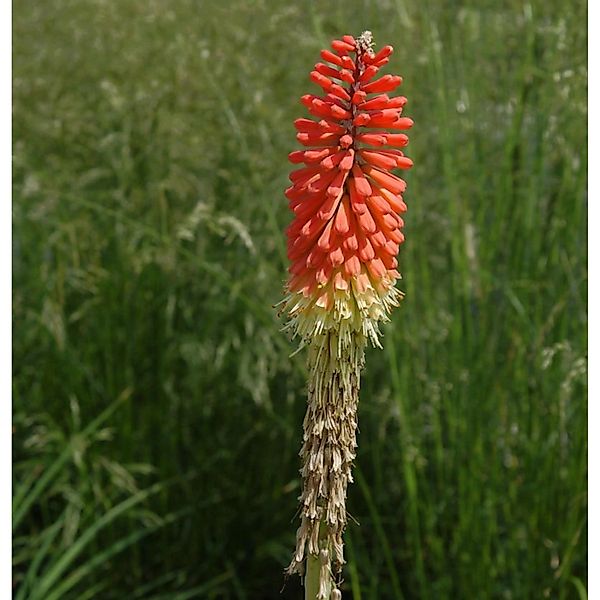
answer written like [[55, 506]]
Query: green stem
[[311, 581]]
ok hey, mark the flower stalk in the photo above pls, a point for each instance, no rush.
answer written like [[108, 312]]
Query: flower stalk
[[319, 579], [343, 245]]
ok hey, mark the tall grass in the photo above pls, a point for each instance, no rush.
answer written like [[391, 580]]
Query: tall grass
[[150, 143]]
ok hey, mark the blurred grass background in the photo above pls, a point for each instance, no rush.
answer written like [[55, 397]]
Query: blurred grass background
[[157, 413]]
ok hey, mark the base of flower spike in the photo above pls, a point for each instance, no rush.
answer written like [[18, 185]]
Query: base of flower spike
[[336, 337], [354, 312], [329, 448]]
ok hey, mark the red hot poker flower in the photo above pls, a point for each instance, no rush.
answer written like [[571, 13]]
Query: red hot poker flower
[[345, 198], [342, 245]]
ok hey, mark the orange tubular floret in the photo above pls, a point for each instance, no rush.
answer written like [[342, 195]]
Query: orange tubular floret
[[387, 83], [342, 47], [376, 103], [327, 70], [346, 76], [396, 139], [378, 159], [346, 200], [382, 54], [331, 57], [321, 80], [358, 97], [333, 160], [368, 74]]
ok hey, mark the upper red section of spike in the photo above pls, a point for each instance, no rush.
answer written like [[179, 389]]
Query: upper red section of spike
[[346, 200]]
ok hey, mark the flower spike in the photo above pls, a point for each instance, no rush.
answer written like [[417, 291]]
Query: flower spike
[[342, 246]]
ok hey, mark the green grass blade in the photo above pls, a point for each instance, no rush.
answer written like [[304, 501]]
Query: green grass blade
[[581, 591], [20, 510], [48, 538], [380, 531], [63, 563], [102, 557], [196, 592], [23, 488]]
